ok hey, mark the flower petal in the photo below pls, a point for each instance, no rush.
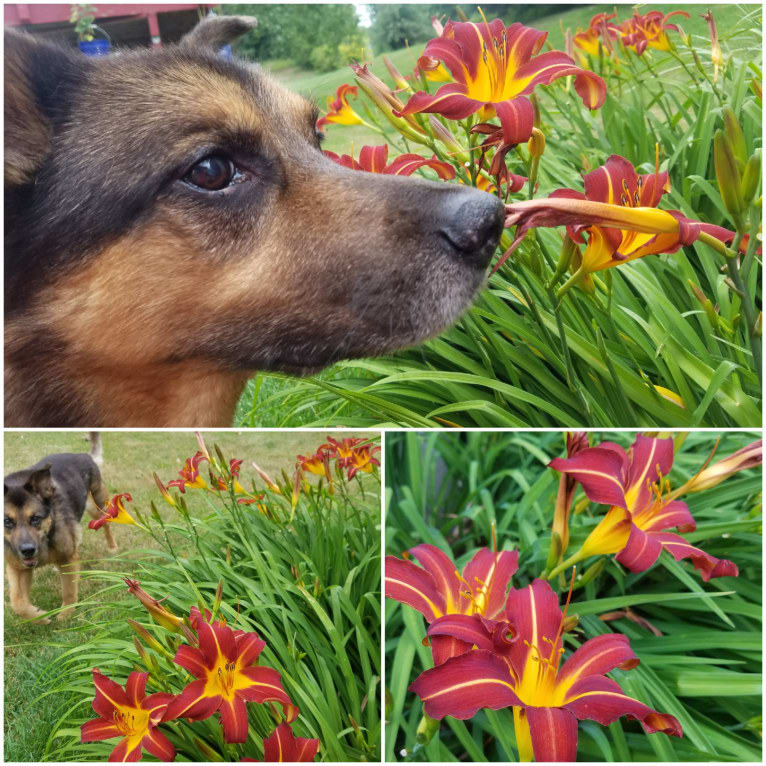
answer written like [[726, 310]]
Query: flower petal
[[192, 703], [469, 629], [463, 685], [450, 101], [249, 648], [595, 657], [97, 729], [673, 514], [265, 685], [649, 459], [135, 688], [641, 550], [412, 585], [191, 659], [443, 570], [216, 641], [488, 576], [707, 565], [444, 648], [234, 719], [601, 699], [516, 119], [156, 743], [534, 613], [601, 472], [127, 750], [554, 733], [108, 695]]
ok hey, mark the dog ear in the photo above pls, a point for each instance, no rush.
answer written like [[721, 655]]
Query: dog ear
[[216, 31], [34, 72], [40, 482]]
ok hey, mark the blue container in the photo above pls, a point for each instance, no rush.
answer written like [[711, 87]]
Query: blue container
[[94, 47]]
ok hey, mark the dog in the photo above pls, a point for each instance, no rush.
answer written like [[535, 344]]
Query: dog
[[173, 227], [43, 507]]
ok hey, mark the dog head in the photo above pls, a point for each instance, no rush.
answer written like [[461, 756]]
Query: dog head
[[167, 205], [28, 518]]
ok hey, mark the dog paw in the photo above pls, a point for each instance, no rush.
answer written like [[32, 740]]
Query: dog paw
[[65, 615], [34, 613], [111, 550]]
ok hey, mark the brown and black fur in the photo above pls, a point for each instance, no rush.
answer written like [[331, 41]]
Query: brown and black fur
[[43, 507], [135, 299]]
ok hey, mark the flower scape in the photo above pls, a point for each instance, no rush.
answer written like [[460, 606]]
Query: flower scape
[[230, 680], [499, 644], [631, 176]]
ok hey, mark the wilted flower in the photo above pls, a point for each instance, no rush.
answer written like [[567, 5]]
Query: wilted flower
[[161, 615]]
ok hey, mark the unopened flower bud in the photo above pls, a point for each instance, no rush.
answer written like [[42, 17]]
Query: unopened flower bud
[[735, 137], [536, 143], [751, 177], [727, 175], [426, 729]]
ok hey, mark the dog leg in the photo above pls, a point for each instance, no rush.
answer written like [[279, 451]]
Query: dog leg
[[101, 498], [19, 585], [70, 575]]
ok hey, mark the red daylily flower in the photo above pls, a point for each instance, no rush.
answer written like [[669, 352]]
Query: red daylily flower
[[339, 110], [618, 212], [114, 513], [282, 746], [342, 449], [495, 68], [227, 678], [190, 475], [373, 159], [649, 30], [589, 40], [314, 464], [361, 459], [633, 484], [437, 589], [221, 483], [130, 714], [516, 664]]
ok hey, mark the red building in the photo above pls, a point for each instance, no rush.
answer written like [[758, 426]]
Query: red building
[[125, 24]]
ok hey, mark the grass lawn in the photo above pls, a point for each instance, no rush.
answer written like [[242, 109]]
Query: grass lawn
[[129, 459]]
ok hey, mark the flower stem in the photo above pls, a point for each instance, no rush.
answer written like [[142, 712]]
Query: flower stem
[[732, 265], [571, 561]]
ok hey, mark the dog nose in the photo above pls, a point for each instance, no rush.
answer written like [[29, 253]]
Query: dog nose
[[28, 550], [472, 223]]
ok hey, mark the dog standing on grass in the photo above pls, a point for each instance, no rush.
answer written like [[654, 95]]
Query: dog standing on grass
[[43, 508], [173, 227]]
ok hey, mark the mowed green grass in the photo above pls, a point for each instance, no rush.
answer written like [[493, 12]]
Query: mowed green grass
[[129, 460]]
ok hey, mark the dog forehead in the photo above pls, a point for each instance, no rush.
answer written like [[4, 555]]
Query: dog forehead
[[184, 94]]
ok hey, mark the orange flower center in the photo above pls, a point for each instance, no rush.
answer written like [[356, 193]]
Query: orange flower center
[[222, 680]]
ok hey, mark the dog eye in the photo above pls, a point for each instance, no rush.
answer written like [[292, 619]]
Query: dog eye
[[35, 521], [319, 136], [211, 173], [9, 523]]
